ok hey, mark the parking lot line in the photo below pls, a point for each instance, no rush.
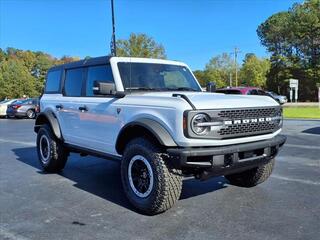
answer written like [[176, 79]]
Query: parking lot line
[[302, 146], [11, 236], [17, 142], [295, 180]]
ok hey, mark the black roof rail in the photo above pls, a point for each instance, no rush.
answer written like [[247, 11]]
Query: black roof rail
[[83, 63]]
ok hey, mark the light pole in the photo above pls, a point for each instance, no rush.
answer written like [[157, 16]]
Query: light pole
[[113, 41]]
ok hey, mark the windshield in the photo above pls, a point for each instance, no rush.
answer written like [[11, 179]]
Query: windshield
[[157, 77]]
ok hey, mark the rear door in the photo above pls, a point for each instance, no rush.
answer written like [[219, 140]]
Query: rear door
[[69, 104]]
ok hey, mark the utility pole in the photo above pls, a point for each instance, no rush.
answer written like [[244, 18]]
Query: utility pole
[[113, 40], [236, 51]]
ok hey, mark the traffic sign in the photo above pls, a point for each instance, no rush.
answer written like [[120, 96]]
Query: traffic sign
[[293, 83]]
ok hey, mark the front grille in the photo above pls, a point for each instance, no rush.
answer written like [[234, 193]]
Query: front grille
[[240, 129], [273, 115], [248, 113], [238, 122]]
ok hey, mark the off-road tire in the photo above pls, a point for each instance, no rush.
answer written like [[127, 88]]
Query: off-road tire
[[252, 177], [57, 154], [167, 183]]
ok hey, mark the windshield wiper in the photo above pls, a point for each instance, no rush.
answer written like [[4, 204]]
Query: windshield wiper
[[143, 89], [182, 89]]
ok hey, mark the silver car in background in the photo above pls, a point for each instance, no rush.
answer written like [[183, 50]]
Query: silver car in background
[[279, 98], [24, 108], [4, 105]]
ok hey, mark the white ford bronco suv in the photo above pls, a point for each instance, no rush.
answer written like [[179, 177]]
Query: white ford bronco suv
[[153, 116]]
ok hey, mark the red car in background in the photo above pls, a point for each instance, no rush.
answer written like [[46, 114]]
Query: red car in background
[[243, 91]]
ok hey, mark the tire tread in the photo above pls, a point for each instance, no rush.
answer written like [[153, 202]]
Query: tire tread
[[252, 177], [169, 179]]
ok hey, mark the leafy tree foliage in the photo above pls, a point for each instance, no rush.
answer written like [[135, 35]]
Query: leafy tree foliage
[[23, 72], [293, 39], [217, 70], [140, 45], [254, 71], [221, 67]]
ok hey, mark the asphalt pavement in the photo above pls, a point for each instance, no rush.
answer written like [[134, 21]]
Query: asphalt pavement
[[86, 200]]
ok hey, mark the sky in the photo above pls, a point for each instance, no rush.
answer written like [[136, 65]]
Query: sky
[[192, 31]]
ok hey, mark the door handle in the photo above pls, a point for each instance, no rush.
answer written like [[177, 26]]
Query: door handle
[[59, 106], [83, 108]]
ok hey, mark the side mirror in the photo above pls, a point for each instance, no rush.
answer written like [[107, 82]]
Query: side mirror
[[211, 87], [104, 88]]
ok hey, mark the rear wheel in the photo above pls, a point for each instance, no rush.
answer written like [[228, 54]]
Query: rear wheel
[[149, 182], [31, 114], [51, 153], [252, 177]]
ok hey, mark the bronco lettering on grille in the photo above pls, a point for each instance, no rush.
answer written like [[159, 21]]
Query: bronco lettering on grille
[[253, 120]]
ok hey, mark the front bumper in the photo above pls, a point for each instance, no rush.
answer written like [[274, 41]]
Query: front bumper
[[227, 159]]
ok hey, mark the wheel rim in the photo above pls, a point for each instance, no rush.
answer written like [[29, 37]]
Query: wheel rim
[[44, 149], [30, 114], [140, 176]]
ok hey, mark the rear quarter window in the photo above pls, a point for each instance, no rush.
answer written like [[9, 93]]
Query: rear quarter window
[[53, 81]]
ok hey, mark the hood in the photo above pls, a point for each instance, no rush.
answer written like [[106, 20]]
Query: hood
[[205, 100]]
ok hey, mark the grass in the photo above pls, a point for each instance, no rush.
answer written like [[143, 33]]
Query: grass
[[302, 112]]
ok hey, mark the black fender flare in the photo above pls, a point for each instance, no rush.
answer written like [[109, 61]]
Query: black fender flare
[[155, 128], [48, 117]]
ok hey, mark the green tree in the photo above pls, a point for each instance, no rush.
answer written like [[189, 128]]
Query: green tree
[[15, 80], [254, 71], [201, 77], [23, 72], [140, 45], [3, 55], [293, 39], [218, 70]]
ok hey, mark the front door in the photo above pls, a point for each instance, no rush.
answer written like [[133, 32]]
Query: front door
[[99, 122]]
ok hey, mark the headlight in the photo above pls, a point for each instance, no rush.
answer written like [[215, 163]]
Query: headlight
[[198, 125]]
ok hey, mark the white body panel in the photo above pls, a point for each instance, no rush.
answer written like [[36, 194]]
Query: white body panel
[[99, 127]]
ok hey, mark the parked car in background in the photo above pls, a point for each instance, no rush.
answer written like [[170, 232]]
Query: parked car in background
[[242, 90], [279, 98], [4, 105], [253, 91], [24, 108]]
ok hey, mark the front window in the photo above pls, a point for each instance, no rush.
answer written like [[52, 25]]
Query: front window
[[157, 77]]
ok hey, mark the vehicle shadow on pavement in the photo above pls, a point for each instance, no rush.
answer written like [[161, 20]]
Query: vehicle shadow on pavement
[[315, 130], [102, 177]]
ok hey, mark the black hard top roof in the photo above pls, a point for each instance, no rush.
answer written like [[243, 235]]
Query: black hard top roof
[[83, 63]]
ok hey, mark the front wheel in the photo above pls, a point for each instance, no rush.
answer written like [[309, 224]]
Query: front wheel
[[51, 153], [252, 177], [150, 184]]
